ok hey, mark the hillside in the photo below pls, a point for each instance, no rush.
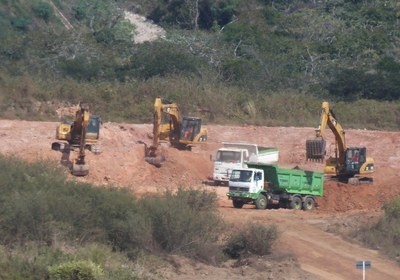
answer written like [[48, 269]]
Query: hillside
[[240, 61], [255, 71], [122, 164]]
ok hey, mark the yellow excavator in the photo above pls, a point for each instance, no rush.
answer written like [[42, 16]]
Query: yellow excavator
[[350, 164], [81, 134], [181, 131]]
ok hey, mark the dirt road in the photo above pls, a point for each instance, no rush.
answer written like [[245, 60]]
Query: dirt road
[[321, 255]]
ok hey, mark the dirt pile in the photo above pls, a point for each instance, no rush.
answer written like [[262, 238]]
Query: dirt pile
[[122, 164], [122, 160], [144, 30]]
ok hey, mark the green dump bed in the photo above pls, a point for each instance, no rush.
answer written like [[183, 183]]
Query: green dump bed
[[292, 181]]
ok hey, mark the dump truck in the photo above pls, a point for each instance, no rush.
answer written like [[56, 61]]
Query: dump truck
[[270, 185], [236, 155]]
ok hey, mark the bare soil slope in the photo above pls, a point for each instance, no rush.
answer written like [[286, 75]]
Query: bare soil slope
[[316, 253]]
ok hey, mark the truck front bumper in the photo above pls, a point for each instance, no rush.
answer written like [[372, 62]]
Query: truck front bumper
[[221, 178], [240, 195]]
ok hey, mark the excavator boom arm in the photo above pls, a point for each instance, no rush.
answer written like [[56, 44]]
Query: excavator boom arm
[[315, 148], [328, 119], [79, 167]]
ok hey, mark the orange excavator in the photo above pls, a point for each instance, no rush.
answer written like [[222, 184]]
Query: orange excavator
[[81, 134], [181, 132]]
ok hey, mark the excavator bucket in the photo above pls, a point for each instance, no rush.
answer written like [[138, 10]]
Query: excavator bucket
[[80, 169], [315, 149], [153, 155], [156, 161]]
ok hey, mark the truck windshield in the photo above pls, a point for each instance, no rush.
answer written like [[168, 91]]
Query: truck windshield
[[241, 175], [228, 156]]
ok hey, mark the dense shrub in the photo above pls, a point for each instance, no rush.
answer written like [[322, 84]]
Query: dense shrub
[[184, 222], [36, 262], [21, 23], [252, 238], [40, 206], [80, 10], [161, 59], [43, 10], [74, 230], [75, 270], [185, 15], [81, 68], [385, 234]]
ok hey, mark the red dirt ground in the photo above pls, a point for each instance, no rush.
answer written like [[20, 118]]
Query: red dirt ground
[[315, 253]]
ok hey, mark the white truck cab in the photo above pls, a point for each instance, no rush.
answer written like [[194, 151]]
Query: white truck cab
[[236, 155]]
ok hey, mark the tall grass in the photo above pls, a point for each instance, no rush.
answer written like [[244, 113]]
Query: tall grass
[[33, 99]]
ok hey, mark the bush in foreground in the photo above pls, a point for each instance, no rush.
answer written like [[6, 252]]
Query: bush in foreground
[[253, 238], [385, 234], [52, 227]]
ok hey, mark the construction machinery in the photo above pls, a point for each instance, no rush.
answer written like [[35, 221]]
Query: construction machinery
[[82, 134], [349, 164], [181, 132], [237, 155], [270, 185]]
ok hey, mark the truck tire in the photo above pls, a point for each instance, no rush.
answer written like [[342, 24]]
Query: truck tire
[[237, 203], [309, 203], [261, 202], [296, 203]]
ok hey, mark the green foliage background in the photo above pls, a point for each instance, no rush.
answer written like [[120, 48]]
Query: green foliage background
[[242, 61]]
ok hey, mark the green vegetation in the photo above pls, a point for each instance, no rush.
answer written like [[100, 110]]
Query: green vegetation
[[258, 62], [385, 234], [254, 238], [52, 228]]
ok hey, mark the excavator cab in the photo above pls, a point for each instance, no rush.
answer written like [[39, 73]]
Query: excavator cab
[[93, 129], [355, 158], [190, 128], [315, 149]]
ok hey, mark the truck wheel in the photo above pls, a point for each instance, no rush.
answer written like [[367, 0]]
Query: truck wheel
[[237, 203], [296, 203], [261, 202], [309, 204]]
